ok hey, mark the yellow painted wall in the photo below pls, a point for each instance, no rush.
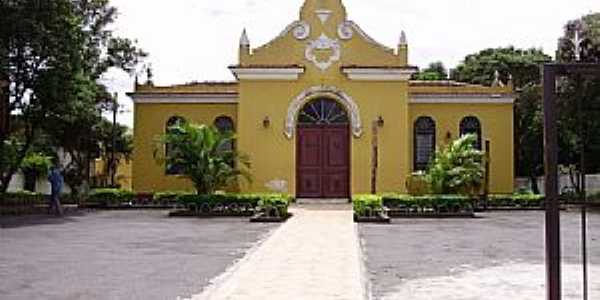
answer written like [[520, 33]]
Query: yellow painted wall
[[273, 155], [150, 122], [497, 127]]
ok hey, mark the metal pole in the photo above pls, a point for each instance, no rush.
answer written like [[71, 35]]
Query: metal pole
[[553, 277], [583, 197], [112, 167], [374, 158]]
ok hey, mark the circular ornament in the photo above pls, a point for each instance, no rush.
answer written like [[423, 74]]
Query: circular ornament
[[345, 30], [301, 31]]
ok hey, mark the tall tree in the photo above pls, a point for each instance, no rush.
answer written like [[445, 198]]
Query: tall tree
[[579, 100], [523, 67], [435, 71], [53, 53]]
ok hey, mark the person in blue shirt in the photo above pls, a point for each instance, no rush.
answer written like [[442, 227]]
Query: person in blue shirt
[[56, 182]]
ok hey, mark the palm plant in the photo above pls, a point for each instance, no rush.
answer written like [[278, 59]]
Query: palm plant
[[457, 169], [201, 153]]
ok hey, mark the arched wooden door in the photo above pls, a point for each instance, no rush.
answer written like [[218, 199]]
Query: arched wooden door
[[323, 151]]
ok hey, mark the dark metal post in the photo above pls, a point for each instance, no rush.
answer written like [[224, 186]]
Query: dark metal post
[[112, 165], [375, 157], [583, 196], [4, 110], [553, 268]]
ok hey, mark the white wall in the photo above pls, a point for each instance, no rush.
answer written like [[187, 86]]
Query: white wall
[[592, 183]]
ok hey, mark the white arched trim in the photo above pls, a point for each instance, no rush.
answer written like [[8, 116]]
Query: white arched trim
[[317, 92]]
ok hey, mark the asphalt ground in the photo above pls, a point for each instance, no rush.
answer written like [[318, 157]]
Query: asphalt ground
[[409, 256], [118, 254]]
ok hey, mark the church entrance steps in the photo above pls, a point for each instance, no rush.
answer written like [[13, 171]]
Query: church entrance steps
[[318, 201], [314, 255]]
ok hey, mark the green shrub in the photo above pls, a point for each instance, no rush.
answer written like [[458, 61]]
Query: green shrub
[[208, 203], [428, 202], [167, 197], [367, 205], [269, 203], [457, 169], [516, 200], [110, 197], [22, 198]]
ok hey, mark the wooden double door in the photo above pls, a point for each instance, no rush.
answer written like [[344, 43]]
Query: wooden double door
[[323, 161]]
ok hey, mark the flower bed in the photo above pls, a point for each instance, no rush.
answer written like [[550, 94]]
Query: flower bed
[[369, 209], [428, 206], [22, 202], [110, 198], [272, 208], [262, 207], [515, 202]]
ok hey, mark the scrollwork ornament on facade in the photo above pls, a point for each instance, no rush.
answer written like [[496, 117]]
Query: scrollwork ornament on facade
[[345, 31], [301, 31]]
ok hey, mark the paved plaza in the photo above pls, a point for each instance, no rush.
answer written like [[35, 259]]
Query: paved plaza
[[318, 254], [113, 255], [497, 256]]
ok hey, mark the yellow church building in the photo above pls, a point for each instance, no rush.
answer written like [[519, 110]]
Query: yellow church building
[[320, 107]]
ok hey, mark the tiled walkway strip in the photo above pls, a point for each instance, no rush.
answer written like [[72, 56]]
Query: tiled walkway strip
[[315, 255]]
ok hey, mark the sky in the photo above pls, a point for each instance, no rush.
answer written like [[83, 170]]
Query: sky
[[195, 40]]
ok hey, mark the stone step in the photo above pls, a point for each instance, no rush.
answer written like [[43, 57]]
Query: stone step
[[317, 201]]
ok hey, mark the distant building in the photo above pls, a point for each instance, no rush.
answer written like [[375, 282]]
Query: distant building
[[304, 107]]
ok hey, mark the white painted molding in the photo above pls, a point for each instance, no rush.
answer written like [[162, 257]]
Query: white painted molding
[[286, 74], [323, 43], [461, 99], [375, 74], [322, 91], [155, 98]]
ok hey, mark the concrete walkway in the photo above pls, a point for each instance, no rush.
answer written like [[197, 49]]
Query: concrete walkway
[[315, 255]]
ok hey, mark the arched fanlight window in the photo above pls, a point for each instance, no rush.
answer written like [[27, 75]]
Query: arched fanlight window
[[322, 112], [471, 125], [224, 124], [173, 169], [424, 143]]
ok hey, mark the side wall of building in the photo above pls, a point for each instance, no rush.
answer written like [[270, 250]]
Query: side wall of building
[[150, 123], [496, 125]]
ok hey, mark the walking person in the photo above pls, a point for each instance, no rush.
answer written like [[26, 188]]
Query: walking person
[[56, 182]]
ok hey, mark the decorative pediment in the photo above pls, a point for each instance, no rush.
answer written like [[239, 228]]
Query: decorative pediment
[[323, 38]]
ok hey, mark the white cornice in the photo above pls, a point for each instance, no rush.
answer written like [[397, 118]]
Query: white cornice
[[375, 74], [167, 98], [285, 74], [462, 99]]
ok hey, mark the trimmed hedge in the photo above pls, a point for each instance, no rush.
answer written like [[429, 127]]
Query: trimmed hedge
[[367, 205], [516, 200], [236, 203], [437, 203], [22, 198], [111, 197]]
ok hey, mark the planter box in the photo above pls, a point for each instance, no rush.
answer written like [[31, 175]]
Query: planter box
[[377, 219], [262, 218]]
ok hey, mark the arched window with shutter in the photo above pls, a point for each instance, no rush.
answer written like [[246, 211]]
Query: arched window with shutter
[[424, 142], [173, 169], [471, 125], [225, 124]]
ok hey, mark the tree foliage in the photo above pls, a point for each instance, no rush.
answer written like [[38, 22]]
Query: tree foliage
[[435, 71], [579, 98], [458, 168], [523, 67], [203, 155], [53, 53]]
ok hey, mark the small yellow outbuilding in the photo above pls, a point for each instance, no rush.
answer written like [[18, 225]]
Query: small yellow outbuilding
[[311, 106]]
